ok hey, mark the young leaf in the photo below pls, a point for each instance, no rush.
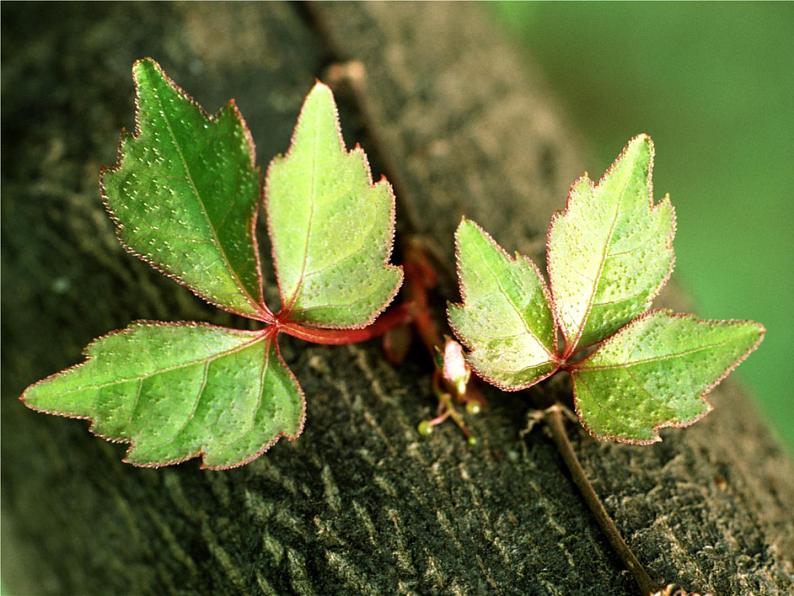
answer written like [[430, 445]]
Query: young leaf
[[610, 251], [184, 196], [178, 391], [331, 228], [185, 192], [505, 318], [655, 373]]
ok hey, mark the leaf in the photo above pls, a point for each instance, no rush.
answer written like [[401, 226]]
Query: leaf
[[505, 318], [185, 194], [178, 391], [610, 251], [655, 373], [331, 228]]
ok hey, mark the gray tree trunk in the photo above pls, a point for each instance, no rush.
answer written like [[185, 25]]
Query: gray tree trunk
[[361, 503]]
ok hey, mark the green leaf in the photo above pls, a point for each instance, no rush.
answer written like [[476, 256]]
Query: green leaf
[[505, 318], [178, 391], [331, 228], [185, 194], [655, 373], [610, 251]]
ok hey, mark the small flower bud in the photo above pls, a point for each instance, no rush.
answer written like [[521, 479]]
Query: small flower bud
[[455, 370], [473, 408], [424, 428]]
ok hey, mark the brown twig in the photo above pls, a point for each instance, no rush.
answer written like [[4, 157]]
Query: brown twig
[[553, 416]]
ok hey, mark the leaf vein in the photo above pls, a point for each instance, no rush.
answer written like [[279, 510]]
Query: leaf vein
[[361, 247], [312, 200], [196, 401], [136, 402], [161, 371], [213, 232], [602, 262], [661, 358], [514, 306]]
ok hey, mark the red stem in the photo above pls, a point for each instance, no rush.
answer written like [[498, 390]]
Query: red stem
[[419, 277], [396, 316]]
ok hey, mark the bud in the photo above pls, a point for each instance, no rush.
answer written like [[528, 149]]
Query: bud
[[454, 369], [424, 428], [473, 408]]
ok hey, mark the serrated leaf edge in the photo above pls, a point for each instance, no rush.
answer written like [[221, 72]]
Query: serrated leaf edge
[[547, 294], [257, 302], [571, 347], [268, 334], [703, 396], [285, 302]]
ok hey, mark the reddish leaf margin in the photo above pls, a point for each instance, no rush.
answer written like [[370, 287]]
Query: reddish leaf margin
[[268, 334], [257, 302], [703, 396], [287, 303], [547, 294]]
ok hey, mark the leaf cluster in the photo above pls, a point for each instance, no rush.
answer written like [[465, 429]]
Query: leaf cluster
[[185, 196], [609, 252]]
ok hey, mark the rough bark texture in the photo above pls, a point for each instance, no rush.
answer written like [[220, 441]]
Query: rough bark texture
[[361, 503]]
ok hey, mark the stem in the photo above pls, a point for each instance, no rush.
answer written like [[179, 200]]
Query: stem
[[555, 423], [396, 316], [420, 277]]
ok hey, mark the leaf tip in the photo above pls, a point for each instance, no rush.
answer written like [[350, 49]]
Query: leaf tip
[[640, 147], [145, 67], [468, 227], [319, 109], [642, 139], [320, 91], [758, 334], [24, 399]]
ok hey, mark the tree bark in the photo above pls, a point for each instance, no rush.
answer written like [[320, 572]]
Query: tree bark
[[360, 503]]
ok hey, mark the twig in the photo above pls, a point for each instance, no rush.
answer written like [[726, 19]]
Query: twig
[[554, 421]]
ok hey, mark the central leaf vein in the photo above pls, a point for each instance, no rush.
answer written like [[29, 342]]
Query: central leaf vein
[[213, 232], [510, 301], [661, 358], [604, 255], [312, 200]]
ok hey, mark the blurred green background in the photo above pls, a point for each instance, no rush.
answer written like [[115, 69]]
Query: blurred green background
[[713, 84]]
